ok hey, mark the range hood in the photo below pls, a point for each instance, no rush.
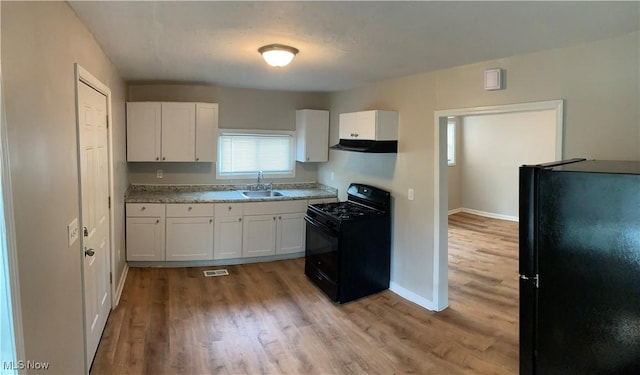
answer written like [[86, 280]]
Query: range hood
[[366, 145]]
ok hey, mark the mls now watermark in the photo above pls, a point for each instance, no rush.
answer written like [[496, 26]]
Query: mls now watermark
[[24, 365]]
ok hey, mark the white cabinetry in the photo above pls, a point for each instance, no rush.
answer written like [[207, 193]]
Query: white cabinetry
[[144, 131], [312, 135], [189, 232], [170, 131], [228, 231], [369, 125], [206, 132], [145, 232], [178, 131], [272, 228]]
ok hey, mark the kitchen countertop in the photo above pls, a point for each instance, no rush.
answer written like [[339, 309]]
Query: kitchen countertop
[[222, 193]]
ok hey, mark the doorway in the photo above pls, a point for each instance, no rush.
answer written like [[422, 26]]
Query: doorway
[[94, 173], [441, 204]]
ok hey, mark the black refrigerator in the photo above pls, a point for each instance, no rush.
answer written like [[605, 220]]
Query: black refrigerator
[[580, 267]]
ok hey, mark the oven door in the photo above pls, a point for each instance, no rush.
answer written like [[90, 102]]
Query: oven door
[[322, 257]]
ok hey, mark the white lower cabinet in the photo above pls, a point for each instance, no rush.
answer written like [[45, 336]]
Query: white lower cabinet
[[290, 233], [207, 231], [259, 235], [273, 228], [228, 231], [189, 232], [145, 232]]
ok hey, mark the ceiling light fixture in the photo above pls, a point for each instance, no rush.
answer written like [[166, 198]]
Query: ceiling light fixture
[[277, 54]]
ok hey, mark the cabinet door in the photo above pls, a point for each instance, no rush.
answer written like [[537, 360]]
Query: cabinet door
[[258, 235], [290, 234], [206, 132], [365, 127], [178, 131], [227, 237], [347, 125], [189, 238], [145, 238], [143, 131], [312, 133]]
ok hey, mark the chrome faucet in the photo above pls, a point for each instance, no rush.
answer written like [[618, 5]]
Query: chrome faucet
[[260, 177]]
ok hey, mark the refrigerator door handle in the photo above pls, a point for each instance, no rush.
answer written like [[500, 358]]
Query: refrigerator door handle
[[535, 278]]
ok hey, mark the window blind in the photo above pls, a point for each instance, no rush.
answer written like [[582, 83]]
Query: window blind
[[244, 153]]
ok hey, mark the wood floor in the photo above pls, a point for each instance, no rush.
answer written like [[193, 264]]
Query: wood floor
[[268, 319]]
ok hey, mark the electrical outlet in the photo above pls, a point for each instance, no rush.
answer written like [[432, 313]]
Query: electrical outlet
[[159, 173], [410, 195], [73, 231]]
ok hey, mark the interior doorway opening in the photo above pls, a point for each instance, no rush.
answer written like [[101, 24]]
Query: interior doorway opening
[[441, 198]]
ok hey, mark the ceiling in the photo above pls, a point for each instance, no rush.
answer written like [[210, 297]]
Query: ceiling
[[342, 44]]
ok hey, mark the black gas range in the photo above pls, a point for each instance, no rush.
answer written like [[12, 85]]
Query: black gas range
[[348, 244]]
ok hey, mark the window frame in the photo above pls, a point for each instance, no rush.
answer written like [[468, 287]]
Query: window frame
[[253, 175], [452, 123]]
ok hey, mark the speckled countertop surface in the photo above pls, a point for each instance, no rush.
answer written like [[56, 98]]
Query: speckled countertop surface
[[222, 193]]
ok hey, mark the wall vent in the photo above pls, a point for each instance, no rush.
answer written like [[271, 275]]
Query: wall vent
[[211, 273]]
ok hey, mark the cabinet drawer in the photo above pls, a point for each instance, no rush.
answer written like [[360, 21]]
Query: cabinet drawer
[[229, 209], [145, 209], [189, 209], [264, 208]]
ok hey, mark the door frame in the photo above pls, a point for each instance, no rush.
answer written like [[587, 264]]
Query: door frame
[[83, 76], [441, 197]]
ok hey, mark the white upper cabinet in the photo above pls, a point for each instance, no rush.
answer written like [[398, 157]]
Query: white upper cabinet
[[206, 132], [171, 131], [178, 131], [369, 125], [312, 135], [144, 128]]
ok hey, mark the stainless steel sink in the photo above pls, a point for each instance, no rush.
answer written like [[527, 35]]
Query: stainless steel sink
[[261, 193]]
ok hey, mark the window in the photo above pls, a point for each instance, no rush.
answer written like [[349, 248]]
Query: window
[[242, 154], [451, 141]]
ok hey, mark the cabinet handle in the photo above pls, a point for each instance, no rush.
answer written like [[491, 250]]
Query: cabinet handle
[[190, 208], [279, 217], [274, 218], [197, 159], [239, 219], [158, 221], [157, 158], [163, 158], [210, 221], [143, 208], [229, 208]]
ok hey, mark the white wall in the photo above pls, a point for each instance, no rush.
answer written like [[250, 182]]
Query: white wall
[[41, 41], [598, 81], [494, 146], [238, 109]]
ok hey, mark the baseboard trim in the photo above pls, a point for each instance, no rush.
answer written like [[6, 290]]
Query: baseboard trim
[[413, 297], [455, 211], [491, 215], [213, 263], [123, 279]]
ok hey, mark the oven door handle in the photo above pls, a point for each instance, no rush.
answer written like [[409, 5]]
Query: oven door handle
[[321, 227]]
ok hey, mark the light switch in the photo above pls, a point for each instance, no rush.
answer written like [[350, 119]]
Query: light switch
[[73, 232], [410, 194]]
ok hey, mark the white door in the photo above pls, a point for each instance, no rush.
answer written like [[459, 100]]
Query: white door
[[178, 131], [227, 237], [258, 236], [189, 238], [290, 235], [93, 140]]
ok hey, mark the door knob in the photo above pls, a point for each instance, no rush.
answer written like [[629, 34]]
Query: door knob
[[89, 252]]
